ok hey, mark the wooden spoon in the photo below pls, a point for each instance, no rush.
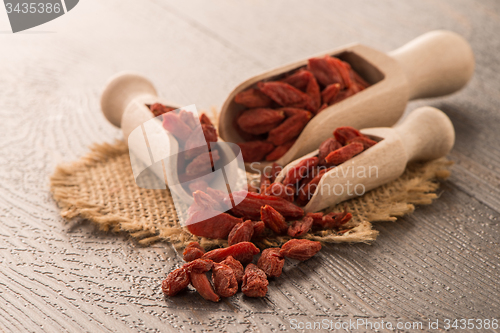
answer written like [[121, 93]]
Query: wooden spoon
[[434, 64], [425, 134], [124, 103]]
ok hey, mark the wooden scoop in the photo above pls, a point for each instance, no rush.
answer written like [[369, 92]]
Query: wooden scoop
[[124, 103], [434, 64], [425, 134]]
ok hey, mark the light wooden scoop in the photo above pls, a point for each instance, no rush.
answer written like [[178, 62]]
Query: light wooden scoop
[[124, 103], [434, 64], [425, 134]]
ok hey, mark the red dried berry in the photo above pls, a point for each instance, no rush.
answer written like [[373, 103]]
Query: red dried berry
[[326, 148], [252, 98], [204, 120], [365, 141], [345, 133], [200, 282], [330, 93], [211, 224], [300, 249], [343, 154], [193, 251], [279, 151], [241, 252], [242, 232], [250, 204], [284, 94], [300, 228], [291, 127], [236, 266], [254, 282], [258, 229], [255, 151], [260, 120], [159, 109], [188, 119], [225, 283], [273, 220], [301, 169], [281, 191], [175, 282], [271, 262], [174, 124]]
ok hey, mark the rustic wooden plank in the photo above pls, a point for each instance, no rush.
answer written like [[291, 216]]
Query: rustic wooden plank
[[442, 261]]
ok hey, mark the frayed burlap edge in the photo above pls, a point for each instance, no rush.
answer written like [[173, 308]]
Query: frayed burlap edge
[[100, 187]]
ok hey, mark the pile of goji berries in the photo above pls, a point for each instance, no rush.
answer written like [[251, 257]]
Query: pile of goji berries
[[301, 181], [196, 158], [279, 110], [228, 272]]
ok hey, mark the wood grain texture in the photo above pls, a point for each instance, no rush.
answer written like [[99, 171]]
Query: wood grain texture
[[440, 262]]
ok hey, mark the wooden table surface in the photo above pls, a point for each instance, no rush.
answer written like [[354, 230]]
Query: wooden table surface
[[440, 262]]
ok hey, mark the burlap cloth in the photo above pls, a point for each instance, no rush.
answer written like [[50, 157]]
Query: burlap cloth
[[100, 187]]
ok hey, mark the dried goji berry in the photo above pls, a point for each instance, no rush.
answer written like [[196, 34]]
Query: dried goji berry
[[217, 195], [273, 220], [193, 251], [330, 92], [324, 70], [275, 170], [159, 109], [203, 163], [250, 204], [300, 228], [188, 118], [265, 181], [255, 151], [242, 232], [198, 266], [260, 120], [198, 185], [317, 218], [284, 94], [334, 220], [307, 191], [326, 148], [200, 282], [271, 262], [291, 127], [174, 124], [299, 79], [240, 251], [211, 224], [301, 169], [362, 84], [313, 91], [279, 151], [252, 98], [365, 141], [175, 282], [300, 249], [343, 154], [204, 120], [254, 282], [258, 229], [345, 133], [224, 280], [236, 266], [281, 191]]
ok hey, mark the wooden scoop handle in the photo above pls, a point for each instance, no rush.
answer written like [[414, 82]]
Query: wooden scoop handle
[[120, 91], [437, 63], [427, 133]]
